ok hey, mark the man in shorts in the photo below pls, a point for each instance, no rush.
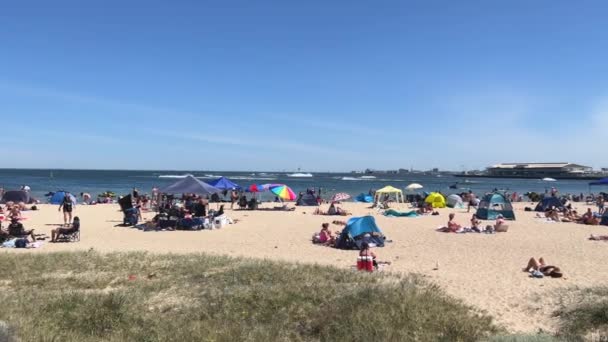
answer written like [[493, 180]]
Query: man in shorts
[[68, 206]]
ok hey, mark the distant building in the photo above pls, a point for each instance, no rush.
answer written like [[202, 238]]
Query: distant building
[[539, 170]]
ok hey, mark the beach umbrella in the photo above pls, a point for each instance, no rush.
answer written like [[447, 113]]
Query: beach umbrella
[[548, 179], [256, 188], [341, 196], [414, 186], [283, 192]]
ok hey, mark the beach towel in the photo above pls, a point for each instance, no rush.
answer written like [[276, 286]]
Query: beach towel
[[395, 213]]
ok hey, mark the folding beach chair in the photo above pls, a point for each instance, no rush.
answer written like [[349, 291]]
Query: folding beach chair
[[72, 236]]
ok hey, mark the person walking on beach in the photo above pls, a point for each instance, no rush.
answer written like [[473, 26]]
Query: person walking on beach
[[234, 197], [68, 206]]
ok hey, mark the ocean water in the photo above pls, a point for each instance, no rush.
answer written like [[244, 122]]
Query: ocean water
[[121, 182]]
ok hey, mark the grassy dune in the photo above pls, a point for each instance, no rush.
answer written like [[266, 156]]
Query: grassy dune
[[145, 297], [88, 296]]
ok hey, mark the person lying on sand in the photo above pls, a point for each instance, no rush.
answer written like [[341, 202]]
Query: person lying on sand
[[598, 237], [539, 269]]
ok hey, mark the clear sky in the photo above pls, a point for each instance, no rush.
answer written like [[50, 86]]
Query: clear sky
[[321, 85]]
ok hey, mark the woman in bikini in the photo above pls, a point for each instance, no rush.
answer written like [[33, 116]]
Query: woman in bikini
[[540, 268]]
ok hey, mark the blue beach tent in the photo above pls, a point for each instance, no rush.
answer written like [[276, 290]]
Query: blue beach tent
[[224, 183], [495, 204], [58, 196], [364, 198], [548, 202], [355, 233]]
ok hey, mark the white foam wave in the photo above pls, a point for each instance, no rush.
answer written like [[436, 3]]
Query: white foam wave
[[351, 179], [252, 178], [300, 175], [172, 176]]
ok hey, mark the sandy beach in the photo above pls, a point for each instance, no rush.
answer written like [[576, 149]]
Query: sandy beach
[[484, 270]]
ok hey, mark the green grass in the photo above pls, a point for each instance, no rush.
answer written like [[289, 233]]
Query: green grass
[[586, 318], [88, 296]]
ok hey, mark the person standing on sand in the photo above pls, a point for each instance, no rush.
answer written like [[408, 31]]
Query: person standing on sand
[[68, 206], [472, 201], [234, 196]]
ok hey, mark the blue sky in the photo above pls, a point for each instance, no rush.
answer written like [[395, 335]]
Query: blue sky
[[322, 85]]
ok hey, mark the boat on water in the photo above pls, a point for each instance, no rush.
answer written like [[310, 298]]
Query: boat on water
[[300, 175]]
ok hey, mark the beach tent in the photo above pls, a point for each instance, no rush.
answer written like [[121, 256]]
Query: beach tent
[[436, 200], [307, 200], [493, 204], [224, 183], [390, 190], [364, 198], [57, 198], [548, 202], [454, 201], [355, 231], [603, 181], [16, 196], [190, 185]]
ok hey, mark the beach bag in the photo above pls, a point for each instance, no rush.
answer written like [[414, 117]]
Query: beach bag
[[20, 243]]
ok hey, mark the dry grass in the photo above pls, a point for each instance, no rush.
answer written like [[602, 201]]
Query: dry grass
[[89, 296]]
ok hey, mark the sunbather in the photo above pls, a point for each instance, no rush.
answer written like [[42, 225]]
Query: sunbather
[[500, 223], [540, 268], [365, 251], [16, 229], [475, 222], [453, 226], [55, 233], [590, 219], [598, 237], [14, 212], [326, 236]]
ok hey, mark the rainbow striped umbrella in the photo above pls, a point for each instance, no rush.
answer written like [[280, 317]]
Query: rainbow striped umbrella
[[283, 191]]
